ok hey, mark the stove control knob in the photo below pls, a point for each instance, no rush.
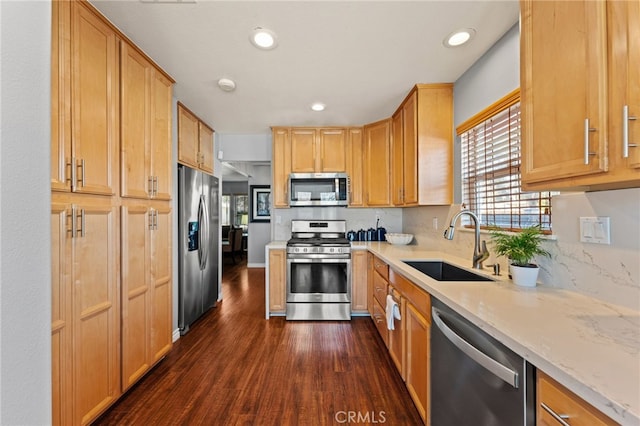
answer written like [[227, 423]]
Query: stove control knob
[[305, 250]]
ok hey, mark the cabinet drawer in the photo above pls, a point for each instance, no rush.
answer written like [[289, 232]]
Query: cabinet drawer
[[381, 267], [380, 320], [418, 297], [555, 398], [380, 289]]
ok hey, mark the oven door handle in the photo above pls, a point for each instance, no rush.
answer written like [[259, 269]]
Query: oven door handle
[[310, 258], [506, 374]]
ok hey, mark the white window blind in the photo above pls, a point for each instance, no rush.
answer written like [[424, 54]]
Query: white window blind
[[491, 175]]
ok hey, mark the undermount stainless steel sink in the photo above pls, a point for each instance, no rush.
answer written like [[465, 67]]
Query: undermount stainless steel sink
[[443, 271]]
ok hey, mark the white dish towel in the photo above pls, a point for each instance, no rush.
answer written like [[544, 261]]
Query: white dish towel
[[393, 311]]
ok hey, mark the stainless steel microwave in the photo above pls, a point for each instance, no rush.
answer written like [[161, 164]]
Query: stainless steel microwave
[[318, 189]]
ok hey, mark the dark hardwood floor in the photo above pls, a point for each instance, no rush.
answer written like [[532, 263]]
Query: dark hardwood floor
[[236, 368]]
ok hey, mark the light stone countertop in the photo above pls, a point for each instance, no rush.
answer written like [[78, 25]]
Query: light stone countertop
[[589, 346]]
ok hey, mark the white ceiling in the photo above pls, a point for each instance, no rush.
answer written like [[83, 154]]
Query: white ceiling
[[360, 58]]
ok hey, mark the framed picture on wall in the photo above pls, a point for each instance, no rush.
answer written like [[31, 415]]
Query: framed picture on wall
[[260, 203]]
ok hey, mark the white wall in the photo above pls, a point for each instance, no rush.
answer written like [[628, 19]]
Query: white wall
[[244, 147], [259, 232], [25, 205], [610, 272]]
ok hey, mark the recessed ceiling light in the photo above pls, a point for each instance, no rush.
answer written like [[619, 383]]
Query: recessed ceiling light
[[318, 106], [263, 38], [459, 37], [227, 84]]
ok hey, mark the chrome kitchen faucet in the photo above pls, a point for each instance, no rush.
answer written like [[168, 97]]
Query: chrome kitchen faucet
[[479, 254]]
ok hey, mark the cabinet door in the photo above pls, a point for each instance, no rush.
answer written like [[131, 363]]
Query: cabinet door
[[136, 180], [333, 150], [161, 152], [277, 280], [397, 160], [60, 95], [188, 140], [397, 335], [377, 163], [624, 87], [96, 319], [136, 223], [359, 281], [94, 89], [410, 151], [563, 84], [417, 356], [281, 167], [60, 315], [355, 155], [303, 150], [205, 135], [161, 283]]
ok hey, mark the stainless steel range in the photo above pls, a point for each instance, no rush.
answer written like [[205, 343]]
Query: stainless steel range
[[318, 271]]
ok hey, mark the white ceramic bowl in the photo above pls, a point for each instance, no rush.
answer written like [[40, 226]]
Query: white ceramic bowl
[[399, 239]]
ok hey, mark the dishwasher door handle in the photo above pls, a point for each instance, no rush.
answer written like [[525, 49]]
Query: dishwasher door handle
[[506, 374]]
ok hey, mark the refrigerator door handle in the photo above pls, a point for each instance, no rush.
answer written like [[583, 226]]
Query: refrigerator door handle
[[203, 235]]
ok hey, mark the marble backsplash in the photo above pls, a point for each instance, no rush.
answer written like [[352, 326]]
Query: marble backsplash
[[607, 272]]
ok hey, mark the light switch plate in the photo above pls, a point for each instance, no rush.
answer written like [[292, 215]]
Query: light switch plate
[[596, 230]]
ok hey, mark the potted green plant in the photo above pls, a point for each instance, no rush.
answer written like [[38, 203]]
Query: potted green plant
[[520, 248]]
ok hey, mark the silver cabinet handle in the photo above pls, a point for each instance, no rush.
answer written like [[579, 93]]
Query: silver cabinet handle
[[506, 374], [625, 131], [560, 418], [74, 224], [150, 226], [150, 186], [72, 178], [155, 186], [82, 220], [82, 172], [587, 129]]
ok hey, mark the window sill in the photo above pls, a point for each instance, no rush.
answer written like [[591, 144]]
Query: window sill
[[550, 237]]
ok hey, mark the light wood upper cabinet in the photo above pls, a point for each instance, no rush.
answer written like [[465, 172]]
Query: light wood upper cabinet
[[280, 166], [277, 280], [205, 135], [318, 150], [573, 127], [554, 398], [331, 150], [355, 160], [93, 160], [145, 126], [60, 95], [377, 163], [422, 147], [303, 150], [195, 141]]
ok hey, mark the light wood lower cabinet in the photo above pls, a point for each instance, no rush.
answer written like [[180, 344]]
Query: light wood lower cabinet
[[146, 287], [277, 280], [86, 309], [397, 335], [555, 402], [417, 358], [358, 281]]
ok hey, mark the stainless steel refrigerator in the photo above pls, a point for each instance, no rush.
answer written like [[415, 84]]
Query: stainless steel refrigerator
[[198, 245]]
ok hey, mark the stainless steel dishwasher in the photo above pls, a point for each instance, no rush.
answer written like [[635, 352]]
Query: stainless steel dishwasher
[[476, 380]]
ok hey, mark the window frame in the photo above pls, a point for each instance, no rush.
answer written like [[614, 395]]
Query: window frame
[[494, 183]]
